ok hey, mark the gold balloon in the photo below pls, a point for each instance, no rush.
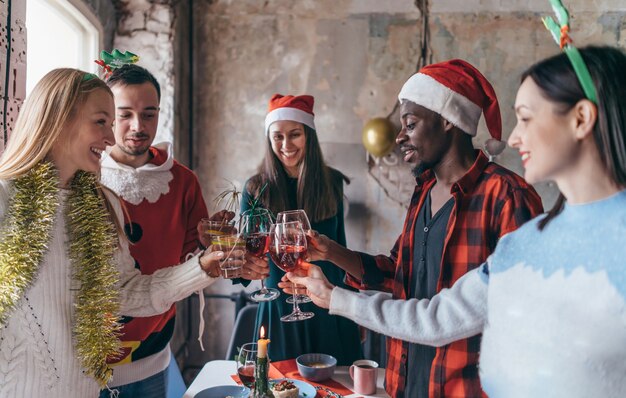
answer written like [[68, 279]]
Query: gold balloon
[[379, 136]]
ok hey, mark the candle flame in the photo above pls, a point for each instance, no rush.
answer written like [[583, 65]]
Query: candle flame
[[262, 332]]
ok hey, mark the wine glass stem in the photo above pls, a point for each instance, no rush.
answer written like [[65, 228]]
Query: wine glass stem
[[296, 308], [263, 288]]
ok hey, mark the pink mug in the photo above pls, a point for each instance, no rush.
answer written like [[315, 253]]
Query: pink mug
[[364, 374]]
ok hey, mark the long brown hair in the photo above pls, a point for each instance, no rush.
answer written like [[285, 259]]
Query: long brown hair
[[320, 188], [558, 83]]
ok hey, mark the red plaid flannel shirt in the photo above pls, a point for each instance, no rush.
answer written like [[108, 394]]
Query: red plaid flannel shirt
[[489, 201]]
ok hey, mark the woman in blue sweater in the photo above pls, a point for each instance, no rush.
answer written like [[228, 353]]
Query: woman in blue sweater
[[551, 300], [297, 178]]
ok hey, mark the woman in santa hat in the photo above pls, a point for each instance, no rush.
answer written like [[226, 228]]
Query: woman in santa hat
[[292, 176]]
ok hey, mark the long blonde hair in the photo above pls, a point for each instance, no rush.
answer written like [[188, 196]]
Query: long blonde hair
[[50, 107]]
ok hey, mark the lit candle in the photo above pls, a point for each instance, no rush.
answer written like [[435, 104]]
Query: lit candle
[[262, 344]]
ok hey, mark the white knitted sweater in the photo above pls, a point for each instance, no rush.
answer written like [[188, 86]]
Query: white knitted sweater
[[37, 353]]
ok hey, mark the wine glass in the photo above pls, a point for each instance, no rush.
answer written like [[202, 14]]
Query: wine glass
[[289, 216], [288, 250], [294, 215], [255, 228], [246, 363]]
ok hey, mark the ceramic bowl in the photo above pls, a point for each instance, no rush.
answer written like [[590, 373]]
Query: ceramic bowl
[[316, 367]]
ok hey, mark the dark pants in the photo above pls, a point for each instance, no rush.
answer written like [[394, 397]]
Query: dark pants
[[152, 387]]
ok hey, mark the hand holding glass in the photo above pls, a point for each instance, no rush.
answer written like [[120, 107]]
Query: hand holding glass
[[255, 228], [208, 228], [288, 251], [300, 216]]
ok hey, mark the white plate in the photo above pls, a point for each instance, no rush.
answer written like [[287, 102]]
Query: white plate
[[306, 390], [224, 391]]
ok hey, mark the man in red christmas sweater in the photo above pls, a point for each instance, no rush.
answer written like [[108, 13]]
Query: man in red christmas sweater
[[165, 204]]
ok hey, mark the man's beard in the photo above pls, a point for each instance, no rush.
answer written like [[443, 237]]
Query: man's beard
[[420, 168], [134, 152]]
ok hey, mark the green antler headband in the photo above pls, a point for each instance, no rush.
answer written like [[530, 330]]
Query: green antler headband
[[114, 60], [560, 33]]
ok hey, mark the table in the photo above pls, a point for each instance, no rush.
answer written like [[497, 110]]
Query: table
[[216, 373]]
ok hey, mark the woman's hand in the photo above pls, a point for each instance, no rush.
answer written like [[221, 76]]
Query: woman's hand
[[318, 246], [210, 262], [255, 268], [318, 287]]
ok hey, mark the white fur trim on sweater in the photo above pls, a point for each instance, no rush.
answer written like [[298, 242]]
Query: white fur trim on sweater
[[454, 107], [148, 182], [294, 114]]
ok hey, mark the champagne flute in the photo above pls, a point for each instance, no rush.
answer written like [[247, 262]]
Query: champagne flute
[[255, 228], [288, 250], [289, 216], [246, 363]]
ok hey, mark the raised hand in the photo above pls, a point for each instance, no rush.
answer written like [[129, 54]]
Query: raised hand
[[318, 287], [255, 268], [210, 262], [220, 221], [318, 246], [223, 215]]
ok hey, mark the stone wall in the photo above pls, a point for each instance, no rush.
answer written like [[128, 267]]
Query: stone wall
[[146, 27], [12, 64], [353, 56]]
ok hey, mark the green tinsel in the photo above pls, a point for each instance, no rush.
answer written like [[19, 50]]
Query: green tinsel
[[27, 230], [94, 240]]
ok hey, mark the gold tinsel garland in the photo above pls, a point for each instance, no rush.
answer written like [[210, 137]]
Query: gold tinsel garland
[[27, 231], [93, 241]]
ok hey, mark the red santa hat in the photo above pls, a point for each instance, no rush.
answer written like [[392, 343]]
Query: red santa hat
[[297, 108], [459, 93]]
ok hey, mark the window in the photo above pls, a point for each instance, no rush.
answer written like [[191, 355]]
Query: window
[[60, 33]]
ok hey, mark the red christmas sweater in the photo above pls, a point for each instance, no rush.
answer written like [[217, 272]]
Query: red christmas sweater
[[165, 204]]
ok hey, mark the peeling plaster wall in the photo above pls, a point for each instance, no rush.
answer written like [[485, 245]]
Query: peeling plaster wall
[[12, 65], [353, 56], [146, 27], [331, 49]]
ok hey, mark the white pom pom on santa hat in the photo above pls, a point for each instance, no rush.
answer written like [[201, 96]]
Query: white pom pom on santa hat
[[460, 93]]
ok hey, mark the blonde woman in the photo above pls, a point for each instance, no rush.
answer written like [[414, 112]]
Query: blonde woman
[[65, 274]]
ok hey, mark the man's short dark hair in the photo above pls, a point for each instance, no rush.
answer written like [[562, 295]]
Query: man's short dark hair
[[133, 74]]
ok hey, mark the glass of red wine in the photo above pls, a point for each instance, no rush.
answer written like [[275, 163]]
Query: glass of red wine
[[288, 251], [289, 216], [246, 361], [255, 228]]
